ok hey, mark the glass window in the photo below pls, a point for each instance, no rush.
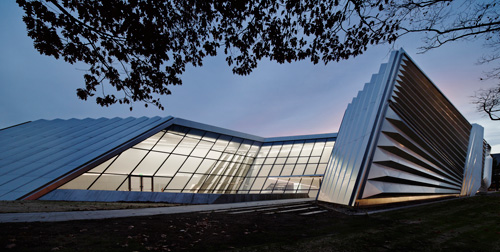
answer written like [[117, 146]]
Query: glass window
[[108, 182], [170, 167], [254, 149], [291, 160], [248, 160], [293, 184], [313, 160], [127, 161], [139, 183], [285, 149], [214, 154], [202, 149], [307, 149], [281, 185], [220, 167], [315, 183], [238, 159], [318, 148], [310, 169], [287, 170], [245, 147], [321, 169], [227, 157], [330, 142], [243, 170], [269, 185], [276, 171], [209, 184], [264, 150], [234, 184], [270, 161], [222, 184], [326, 155], [191, 164], [296, 148], [280, 160], [151, 163], [233, 145], [159, 183], [82, 182], [299, 169], [254, 170], [303, 160], [167, 142], [194, 183], [305, 184], [100, 168], [178, 182], [186, 146], [257, 185], [150, 141], [232, 169], [264, 171], [259, 161], [247, 183], [206, 166], [275, 150], [221, 143]]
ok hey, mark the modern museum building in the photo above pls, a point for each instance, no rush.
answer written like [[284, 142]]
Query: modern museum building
[[400, 140]]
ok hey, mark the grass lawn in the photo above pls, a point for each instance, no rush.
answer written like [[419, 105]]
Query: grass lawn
[[468, 224]]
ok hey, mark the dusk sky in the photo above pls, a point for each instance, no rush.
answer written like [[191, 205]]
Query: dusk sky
[[274, 100]]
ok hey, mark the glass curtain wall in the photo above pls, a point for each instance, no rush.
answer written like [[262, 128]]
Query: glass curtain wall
[[182, 159]]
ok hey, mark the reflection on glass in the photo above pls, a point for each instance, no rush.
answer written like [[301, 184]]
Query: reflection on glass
[[206, 166], [299, 169], [108, 182], [150, 142], [318, 148], [307, 149], [221, 143], [275, 149], [296, 148], [202, 149], [264, 150], [233, 145], [186, 146], [168, 142], [150, 163], [191, 164], [182, 159], [178, 182], [127, 161], [170, 167], [285, 150]]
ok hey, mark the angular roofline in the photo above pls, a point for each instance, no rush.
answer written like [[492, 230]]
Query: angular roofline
[[215, 129], [164, 123]]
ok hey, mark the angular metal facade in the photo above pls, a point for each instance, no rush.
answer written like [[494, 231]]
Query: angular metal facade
[[401, 140]]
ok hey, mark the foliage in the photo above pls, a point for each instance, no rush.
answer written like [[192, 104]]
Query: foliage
[[489, 101], [140, 47]]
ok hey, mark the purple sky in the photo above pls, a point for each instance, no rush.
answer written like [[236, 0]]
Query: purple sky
[[275, 100]]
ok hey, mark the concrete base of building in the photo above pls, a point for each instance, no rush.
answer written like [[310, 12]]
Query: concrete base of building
[[178, 198]]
